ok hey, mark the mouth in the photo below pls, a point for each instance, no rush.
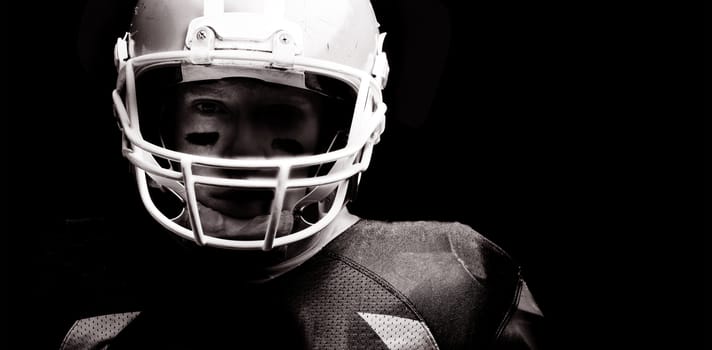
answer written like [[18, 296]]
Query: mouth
[[240, 204], [220, 225], [241, 214]]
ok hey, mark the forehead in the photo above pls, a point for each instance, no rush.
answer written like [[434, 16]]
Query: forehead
[[230, 88]]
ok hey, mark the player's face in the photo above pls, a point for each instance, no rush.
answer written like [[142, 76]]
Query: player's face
[[244, 118]]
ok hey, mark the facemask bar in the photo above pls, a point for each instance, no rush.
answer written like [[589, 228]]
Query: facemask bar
[[350, 160]]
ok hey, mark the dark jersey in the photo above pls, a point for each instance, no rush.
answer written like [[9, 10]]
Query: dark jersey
[[404, 285]]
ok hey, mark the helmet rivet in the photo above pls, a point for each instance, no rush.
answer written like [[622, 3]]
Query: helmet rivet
[[284, 38], [201, 34]]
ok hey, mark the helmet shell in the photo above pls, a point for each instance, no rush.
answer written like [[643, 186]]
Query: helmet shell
[[339, 31]]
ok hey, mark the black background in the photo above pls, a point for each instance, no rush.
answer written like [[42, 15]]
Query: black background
[[541, 126]]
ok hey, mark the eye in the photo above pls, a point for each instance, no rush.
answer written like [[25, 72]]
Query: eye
[[209, 107]]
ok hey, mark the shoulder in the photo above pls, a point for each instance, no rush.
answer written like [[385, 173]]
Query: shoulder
[[464, 285], [436, 242]]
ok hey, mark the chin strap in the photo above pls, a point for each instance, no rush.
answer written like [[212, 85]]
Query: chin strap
[[322, 193], [339, 225]]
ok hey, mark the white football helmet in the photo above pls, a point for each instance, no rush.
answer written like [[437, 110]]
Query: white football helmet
[[332, 47]]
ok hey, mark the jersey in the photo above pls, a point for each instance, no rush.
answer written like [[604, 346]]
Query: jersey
[[379, 285]]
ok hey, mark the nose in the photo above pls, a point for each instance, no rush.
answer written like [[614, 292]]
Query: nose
[[246, 140]]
